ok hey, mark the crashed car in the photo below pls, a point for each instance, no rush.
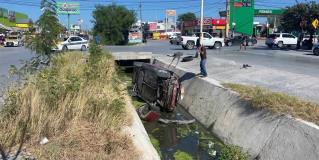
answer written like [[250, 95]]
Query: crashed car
[[157, 86]]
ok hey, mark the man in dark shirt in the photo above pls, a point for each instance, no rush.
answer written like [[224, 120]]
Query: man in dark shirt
[[203, 57], [197, 47]]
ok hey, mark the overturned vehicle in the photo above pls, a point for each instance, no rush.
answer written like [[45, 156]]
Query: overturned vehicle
[[160, 88]]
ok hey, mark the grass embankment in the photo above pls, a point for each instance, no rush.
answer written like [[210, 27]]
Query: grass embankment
[[278, 102], [77, 103]]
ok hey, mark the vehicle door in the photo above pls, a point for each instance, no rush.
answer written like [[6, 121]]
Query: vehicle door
[[75, 43], [207, 40], [289, 39]]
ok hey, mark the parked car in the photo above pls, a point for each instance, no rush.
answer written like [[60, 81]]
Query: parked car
[[13, 41], [175, 39], [73, 43], [281, 39], [237, 40], [316, 49], [307, 44], [189, 42]]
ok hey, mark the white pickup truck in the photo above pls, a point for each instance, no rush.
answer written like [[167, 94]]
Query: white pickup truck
[[189, 42]]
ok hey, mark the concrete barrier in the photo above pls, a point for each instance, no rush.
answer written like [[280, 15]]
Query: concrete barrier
[[264, 135]]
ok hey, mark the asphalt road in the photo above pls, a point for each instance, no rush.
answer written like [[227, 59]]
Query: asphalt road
[[289, 71], [10, 56], [299, 62]]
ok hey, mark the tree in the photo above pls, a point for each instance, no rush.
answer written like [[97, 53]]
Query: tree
[[189, 16], [299, 17], [50, 28], [112, 23]]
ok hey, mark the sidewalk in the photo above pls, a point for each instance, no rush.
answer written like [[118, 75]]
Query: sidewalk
[[226, 71]]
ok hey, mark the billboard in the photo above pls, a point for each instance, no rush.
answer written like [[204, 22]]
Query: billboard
[[242, 16], [68, 8]]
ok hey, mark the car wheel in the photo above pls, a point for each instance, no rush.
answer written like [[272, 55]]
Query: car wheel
[[280, 44], [250, 43], [190, 45], [316, 51], [65, 48], [217, 45], [184, 47], [229, 43], [254, 41], [83, 48]]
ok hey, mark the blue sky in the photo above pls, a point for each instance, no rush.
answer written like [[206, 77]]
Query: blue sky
[[151, 9]]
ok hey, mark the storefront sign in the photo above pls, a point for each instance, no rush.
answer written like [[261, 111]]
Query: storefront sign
[[171, 12], [152, 26], [22, 25], [135, 37], [268, 11], [219, 22], [220, 27], [206, 22], [68, 8]]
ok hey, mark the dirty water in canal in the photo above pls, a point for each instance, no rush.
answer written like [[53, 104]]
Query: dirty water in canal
[[172, 139]]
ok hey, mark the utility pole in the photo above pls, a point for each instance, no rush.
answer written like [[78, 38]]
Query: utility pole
[[141, 13], [227, 18], [201, 22]]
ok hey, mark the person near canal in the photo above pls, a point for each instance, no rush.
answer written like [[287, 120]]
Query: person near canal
[[243, 43], [197, 46], [203, 57]]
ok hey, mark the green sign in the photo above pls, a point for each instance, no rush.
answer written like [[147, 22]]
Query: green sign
[[268, 11], [68, 8], [241, 16]]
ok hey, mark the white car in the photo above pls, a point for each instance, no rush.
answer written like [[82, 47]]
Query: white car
[[189, 42], [73, 43], [13, 41], [314, 39], [281, 40]]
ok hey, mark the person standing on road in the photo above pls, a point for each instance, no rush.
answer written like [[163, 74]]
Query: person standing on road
[[243, 42], [203, 57], [197, 47]]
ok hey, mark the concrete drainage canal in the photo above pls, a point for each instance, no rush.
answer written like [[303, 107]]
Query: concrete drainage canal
[[173, 132], [179, 141]]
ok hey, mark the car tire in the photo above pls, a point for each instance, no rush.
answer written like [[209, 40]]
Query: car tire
[[229, 43], [184, 47], [190, 45], [250, 43], [83, 48], [65, 49], [254, 41], [217, 45], [316, 51], [280, 44]]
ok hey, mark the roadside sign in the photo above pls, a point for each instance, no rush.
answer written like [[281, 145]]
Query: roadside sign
[[171, 12], [315, 23], [269, 11], [68, 8]]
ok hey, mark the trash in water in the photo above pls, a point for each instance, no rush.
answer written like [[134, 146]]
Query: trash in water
[[166, 121]]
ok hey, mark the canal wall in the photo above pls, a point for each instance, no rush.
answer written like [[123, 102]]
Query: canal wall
[[264, 135]]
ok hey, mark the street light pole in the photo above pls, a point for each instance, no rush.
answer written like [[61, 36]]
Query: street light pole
[[201, 22]]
